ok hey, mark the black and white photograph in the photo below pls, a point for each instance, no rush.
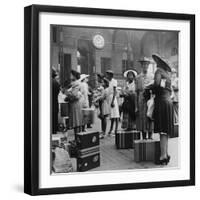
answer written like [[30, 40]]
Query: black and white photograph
[[109, 100], [114, 99]]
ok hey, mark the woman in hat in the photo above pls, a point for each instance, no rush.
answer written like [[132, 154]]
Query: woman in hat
[[74, 97], [163, 108], [144, 79], [129, 103]]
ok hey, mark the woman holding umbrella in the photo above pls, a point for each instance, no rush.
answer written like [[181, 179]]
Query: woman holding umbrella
[[163, 107]]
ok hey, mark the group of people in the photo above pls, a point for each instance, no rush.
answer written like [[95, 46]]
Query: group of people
[[133, 107], [130, 101]]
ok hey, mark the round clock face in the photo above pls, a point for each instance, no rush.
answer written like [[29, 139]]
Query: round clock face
[[98, 41]]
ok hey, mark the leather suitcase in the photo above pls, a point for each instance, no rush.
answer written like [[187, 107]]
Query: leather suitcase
[[88, 115], [124, 139], [88, 161], [146, 150], [87, 139]]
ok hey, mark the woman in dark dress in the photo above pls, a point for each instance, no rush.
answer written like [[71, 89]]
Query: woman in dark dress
[[163, 110]]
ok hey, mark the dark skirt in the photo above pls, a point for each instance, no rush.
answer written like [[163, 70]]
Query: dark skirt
[[164, 116]]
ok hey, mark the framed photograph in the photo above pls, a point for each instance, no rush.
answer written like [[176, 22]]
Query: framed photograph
[[109, 99]]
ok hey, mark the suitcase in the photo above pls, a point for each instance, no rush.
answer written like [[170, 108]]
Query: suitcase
[[88, 115], [146, 150], [88, 161], [124, 139], [87, 139], [64, 109]]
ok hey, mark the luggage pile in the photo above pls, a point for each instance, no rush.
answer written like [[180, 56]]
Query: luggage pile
[[85, 148]]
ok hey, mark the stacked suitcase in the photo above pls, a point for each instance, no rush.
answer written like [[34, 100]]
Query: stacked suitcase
[[124, 139], [88, 156], [146, 150]]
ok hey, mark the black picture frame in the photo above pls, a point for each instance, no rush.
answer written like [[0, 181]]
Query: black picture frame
[[31, 98]]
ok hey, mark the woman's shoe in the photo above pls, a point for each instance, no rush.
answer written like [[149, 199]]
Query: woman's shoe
[[168, 158], [162, 162]]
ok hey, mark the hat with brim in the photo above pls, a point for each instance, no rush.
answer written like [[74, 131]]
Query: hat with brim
[[130, 71], [161, 63], [144, 60], [83, 76], [75, 74], [109, 72]]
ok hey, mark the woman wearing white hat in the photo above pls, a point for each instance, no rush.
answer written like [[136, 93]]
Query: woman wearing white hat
[[129, 104]]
